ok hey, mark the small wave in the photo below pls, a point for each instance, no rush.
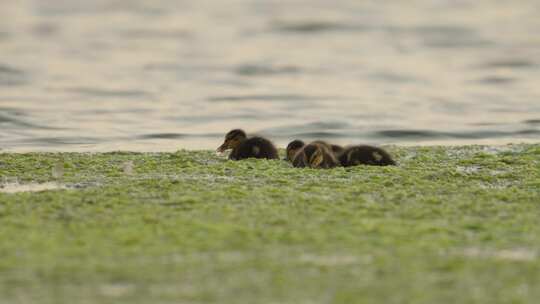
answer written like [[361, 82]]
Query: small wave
[[425, 134], [10, 76], [408, 134], [154, 34], [194, 119], [496, 80], [45, 29], [175, 67], [54, 141], [392, 77], [316, 135], [456, 42], [110, 93], [446, 30], [316, 27], [450, 36], [163, 136], [178, 135], [263, 70], [528, 132], [310, 129], [17, 118], [5, 69], [509, 63], [532, 121], [264, 97], [327, 125]]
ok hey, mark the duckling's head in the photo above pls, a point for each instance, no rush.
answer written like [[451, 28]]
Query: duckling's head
[[314, 155], [293, 147], [232, 140]]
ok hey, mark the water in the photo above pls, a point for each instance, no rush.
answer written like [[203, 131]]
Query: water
[[79, 75]]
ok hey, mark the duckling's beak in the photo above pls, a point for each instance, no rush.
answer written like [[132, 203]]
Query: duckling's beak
[[223, 147]]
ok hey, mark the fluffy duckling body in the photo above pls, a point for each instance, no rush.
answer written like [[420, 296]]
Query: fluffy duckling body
[[317, 154], [296, 145], [292, 148], [337, 149], [365, 155], [243, 147]]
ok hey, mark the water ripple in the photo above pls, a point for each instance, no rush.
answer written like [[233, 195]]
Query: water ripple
[[184, 68], [110, 93], [15, 119], [316, 135], [315, 26], [154, 34], [509, 63], [532, 121], [178, 136], [263, 70], [266, 97], [393, 77], [312, 129], [450, 36], [61, 140], [10, 76], [45, 29], [427, 134], [496, 80], [163, 136]]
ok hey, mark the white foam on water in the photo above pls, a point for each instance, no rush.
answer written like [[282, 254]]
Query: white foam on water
[[31, 187]]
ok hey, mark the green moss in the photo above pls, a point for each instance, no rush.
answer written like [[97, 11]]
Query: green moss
[[448, 225]]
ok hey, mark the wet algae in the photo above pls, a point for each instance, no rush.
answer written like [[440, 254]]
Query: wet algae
[[447, 225]]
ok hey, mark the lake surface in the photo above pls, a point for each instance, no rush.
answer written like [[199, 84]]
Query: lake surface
[[164, 75]]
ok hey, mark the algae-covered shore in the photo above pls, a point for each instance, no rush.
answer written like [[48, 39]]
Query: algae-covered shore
[[448, 225]]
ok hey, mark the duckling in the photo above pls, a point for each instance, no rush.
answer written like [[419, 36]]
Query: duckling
[[244, 147], [337, 149], [292, 148], [365, 155], [315, 155]]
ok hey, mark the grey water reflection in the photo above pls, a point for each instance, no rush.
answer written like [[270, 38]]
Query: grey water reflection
[[164, 75]]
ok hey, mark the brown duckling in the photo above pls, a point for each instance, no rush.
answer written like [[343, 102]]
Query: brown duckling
[[365, 155], [336, 149], [244, 147], [292, 148], [317, 154]]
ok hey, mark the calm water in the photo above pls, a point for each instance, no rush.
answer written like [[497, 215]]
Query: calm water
[[163, 75]]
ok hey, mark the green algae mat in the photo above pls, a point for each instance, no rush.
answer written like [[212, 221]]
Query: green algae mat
[[448, 225]]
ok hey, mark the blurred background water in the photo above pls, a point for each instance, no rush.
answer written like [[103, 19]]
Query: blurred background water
[[102, 75]]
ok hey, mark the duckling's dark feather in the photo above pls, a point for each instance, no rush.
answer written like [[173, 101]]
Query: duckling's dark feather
[[254, 147], [337, 150], [365, 155], [292, 148], [303, 157]]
